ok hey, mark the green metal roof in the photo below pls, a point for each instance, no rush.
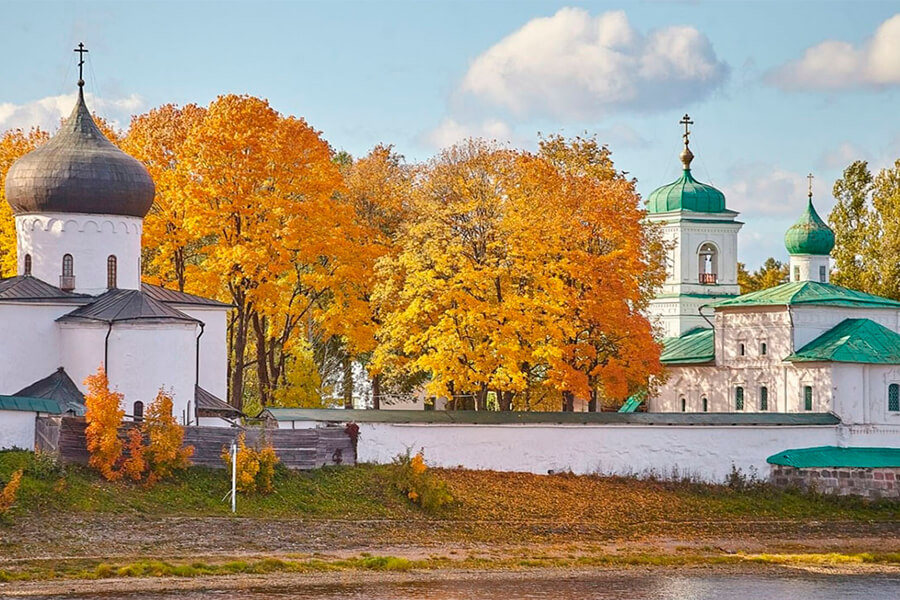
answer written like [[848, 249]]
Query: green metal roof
[[832, 456], [27, 404], [811, 293], [810, 234], [854, 341], [686, 193], [691, 347], [486, 417]]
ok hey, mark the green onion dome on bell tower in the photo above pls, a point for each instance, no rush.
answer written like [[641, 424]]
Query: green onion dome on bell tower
[[686, 193], [810, 234]]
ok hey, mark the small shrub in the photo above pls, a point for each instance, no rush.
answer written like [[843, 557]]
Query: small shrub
[[135, 465], [419, 484], [44, 465], [165, 450], [255, 467], [104, 416], [8, 495]]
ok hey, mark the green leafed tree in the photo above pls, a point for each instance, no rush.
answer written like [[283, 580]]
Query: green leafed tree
[[850, 220]]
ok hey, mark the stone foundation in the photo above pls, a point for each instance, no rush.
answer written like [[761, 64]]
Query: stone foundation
[[844, 481]]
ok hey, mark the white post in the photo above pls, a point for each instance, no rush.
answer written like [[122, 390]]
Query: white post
[[234, 451]]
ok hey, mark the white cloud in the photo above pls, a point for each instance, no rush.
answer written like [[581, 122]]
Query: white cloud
[[451, 131], [835, 65], [763, 190], [574, 65], [46, 113], [841, 156]]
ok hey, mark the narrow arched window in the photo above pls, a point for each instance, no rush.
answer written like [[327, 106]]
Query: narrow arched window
[[705, 405], [739, 398], [763, 349], [807, 397], [796, 273], [138, 411], [763, 398], [111, 271], [683, 405], [823, 274], [709, 264], [28, 264], [894, 397], [68, 266], [742, 350]]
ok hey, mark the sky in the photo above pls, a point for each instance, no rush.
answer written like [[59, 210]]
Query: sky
[[776, 90]]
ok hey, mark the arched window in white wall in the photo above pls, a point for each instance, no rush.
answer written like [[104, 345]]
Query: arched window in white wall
[[739, 398], [763, 398], [894, 397], [705, 405], [137, 412], [823, 274], [67, 278], [28, 264], [807, 397], [763, 349], [111, 269], [709, 263], [683, 405]]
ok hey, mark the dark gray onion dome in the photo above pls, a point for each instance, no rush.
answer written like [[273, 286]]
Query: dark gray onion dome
[[79, 171]]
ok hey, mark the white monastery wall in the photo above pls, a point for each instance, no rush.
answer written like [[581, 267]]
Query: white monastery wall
[[213, 348], [17, 429], [31, 343], [752, 329], [705, 452], [812, 321], [861, 393], [90, 239]]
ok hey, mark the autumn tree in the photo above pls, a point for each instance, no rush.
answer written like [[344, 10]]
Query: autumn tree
[[166, 451], [771, 273], [851, 223], [13, 144], [104, 417], [171, 243]]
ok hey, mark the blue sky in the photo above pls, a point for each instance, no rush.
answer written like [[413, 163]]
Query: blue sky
[[776, 89]]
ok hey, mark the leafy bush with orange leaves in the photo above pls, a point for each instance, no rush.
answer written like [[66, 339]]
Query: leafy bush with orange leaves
[[165, 450], [255, 467], [420, 485], [134, 466], [8, 495], [104, 417]]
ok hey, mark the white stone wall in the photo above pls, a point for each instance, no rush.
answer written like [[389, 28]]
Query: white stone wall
[[861, 393], [807, 267], [213, 347], [30, 348], [90, 239], [812, 321], [142, 358], [17, 429]]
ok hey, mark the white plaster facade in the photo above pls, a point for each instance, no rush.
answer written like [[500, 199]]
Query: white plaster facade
[[17, 429], [90, 240]]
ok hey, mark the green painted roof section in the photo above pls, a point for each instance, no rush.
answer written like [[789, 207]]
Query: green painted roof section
[[631, 405], [810, 234], [686, 193], [487, 417], [691, 347], [853, 341], [808, 292], [834, 457], [27, 404]]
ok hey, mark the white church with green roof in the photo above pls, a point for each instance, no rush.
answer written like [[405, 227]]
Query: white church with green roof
[[805, 346]]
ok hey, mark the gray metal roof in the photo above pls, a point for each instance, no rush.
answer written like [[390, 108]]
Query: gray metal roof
[[79, 171], [126, 305], [59, 387], [337, 415], [175, 297], [209, 403], [25, 288], [29, 404]]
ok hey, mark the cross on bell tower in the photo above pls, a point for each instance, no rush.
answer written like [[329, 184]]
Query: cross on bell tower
[[81, 50], [686, 155], [809, 194]]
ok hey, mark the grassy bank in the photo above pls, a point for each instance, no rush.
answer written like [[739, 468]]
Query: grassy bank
[[68, 523]]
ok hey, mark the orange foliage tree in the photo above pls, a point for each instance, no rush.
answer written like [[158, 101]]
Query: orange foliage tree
[[104, 416], [13, 144], [165, 451]]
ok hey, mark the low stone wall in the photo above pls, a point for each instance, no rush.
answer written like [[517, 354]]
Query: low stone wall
[[843, 481]]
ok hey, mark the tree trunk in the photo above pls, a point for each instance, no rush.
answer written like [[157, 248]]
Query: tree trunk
[[348, 381], [506, 399], [592, 403], [237, 361], [568, 402], [262, 366], [376, 391]]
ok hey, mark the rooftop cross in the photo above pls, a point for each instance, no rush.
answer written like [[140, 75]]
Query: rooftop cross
[[81, 50], [686, 121], [810, 177]]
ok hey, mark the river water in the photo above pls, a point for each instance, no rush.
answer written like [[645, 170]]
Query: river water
[[628, 586]]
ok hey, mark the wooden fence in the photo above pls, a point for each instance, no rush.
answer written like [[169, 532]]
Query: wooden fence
[[296, 448]]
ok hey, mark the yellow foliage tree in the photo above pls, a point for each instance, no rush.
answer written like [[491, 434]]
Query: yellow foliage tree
[[165, 439], [104, 417], [13, 144], [255, 466]]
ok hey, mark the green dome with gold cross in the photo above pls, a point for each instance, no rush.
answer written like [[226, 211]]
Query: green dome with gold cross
[[810, 234], [686, 193]]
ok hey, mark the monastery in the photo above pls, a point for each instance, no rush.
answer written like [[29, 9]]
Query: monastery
[[805, 346]]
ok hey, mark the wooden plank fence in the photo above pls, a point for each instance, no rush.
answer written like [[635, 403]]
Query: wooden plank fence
[[296, 448]]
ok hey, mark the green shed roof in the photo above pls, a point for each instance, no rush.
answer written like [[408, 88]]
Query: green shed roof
[[686, 193], [855, 341], [833, 457], [810, 234], [808, 292], [691, 347], [27, 404]]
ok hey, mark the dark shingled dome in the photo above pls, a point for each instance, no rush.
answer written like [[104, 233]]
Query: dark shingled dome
[[79, 171]]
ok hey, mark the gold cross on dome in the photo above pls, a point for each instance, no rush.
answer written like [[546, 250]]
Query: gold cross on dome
[[810, 178], [81, 50], [687, 122]]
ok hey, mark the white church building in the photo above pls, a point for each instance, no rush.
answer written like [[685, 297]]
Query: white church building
[[805, 346], [78, 302]]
